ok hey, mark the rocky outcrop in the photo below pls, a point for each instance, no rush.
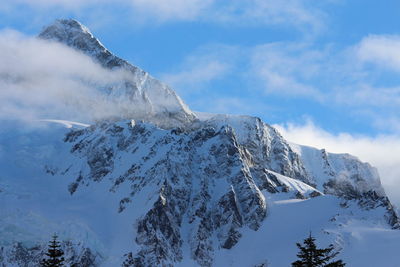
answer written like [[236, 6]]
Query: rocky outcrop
[[347, 177], [202, 178], [208, 180]]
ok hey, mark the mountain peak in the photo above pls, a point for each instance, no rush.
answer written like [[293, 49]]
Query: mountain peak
[[70, 24], [74, 34], [152, 100], [64, 27]]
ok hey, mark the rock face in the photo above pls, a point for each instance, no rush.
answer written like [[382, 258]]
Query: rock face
[[345, 176], [187, 187], [199, 178], [208, 180]]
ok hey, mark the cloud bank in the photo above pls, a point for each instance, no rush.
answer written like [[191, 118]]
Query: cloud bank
[[42, 80]]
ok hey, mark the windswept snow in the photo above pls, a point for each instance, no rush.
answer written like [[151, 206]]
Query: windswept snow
[[295, 185], [68, 124]]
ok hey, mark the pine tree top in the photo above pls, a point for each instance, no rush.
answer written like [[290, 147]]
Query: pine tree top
[[311, 256], [54, 254]]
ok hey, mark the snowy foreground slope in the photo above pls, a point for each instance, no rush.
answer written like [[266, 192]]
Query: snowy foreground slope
[[170, 187]]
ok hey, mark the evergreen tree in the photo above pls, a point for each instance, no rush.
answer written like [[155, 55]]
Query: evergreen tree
[[54, 254], [311, 256]]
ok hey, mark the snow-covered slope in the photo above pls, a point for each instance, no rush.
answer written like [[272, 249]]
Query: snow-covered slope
[[347, 177], [169, 187]]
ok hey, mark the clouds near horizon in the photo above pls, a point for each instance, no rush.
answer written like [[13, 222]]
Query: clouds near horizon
[[381, 151]]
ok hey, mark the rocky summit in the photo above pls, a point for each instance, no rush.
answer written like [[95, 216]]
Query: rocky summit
[[162, 185]]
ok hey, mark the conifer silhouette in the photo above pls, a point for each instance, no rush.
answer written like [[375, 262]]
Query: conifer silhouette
[[311, 256], [54, 254]]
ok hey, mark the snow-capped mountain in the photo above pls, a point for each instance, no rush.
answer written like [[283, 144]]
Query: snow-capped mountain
[[151, 100], [170, 187]]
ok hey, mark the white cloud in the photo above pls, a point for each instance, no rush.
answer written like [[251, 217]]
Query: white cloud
[[40, 80], [287, 69], [334, 77], [383, 50], [381, 151], [298, 14]]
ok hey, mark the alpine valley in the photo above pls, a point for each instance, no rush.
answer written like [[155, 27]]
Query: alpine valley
[[161, 185]]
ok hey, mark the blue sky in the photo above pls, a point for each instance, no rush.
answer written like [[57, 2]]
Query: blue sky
[[284, 61], [325, 72]]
